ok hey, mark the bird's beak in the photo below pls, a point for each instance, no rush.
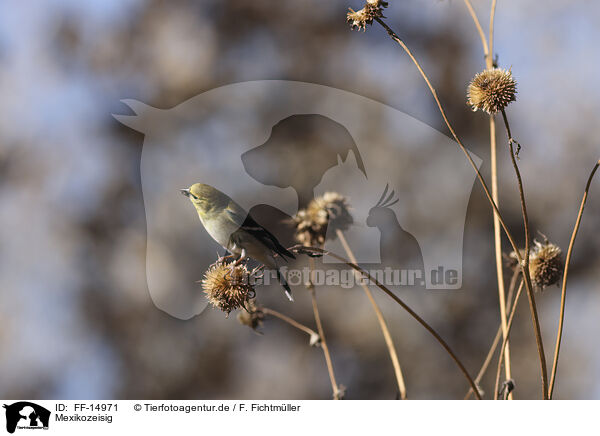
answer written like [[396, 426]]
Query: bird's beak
[[185, 192]]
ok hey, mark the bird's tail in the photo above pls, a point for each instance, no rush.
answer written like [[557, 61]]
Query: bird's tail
[[284, 283]]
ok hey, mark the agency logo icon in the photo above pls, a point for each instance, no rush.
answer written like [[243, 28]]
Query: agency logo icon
[[26, 415], [272, 146]]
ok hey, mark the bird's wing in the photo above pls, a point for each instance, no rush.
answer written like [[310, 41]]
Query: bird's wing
[[249, 225]]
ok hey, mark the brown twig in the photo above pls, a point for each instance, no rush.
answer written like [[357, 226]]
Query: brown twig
[[524, 262], [494, 175], [486, 362], [496, 341], [337, 392], [395, 37], [389, 342], [309, 250], [505, 340], [291, 322], [563, 295], [478, 26], [492, 17], [497, 236]]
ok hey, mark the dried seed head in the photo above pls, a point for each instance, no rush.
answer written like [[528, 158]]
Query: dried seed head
[[227, 285], [545, 264], [373, 9], [492, 90], [328, 211], [511, 260], [252, 316]]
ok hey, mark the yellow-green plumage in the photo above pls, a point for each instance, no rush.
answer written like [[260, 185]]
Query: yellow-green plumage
[[234, 229]]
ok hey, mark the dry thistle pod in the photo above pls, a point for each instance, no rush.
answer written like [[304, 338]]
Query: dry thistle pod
[[492, 90], [331, 210], [359, 19], [228, 285], [511, 260], [545, 264], [252, 316]]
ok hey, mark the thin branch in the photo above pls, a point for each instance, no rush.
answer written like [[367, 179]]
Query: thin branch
[[486, 362], [478, 26], [504, 342], [337, 392], [492, 17], [489, 59], [524, 263], [313, 250], [290, 321], [494, 175], [397, 39], [389, 342], [497, 338], [498, 249], [563, 296]]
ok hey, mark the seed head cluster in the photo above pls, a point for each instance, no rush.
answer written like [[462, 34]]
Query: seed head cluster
[[330, 211], [545, 264], [492, 90], [373, 9], [252, 316], [227, 285]]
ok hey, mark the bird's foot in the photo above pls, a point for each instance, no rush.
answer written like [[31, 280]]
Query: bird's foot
[[238, 261], [222, 259]]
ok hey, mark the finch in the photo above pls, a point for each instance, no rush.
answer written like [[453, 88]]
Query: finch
[[235, 230]]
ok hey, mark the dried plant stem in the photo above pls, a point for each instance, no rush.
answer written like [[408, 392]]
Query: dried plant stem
[[478, 26], [303, 249], [494, 175], [486, 362], [290, 321], [491, 45], [498, 250], [489, 58], [504, 341], [496, 340], [337, 393], [524, 263], [564, 281], [380, 319], [395, 38]]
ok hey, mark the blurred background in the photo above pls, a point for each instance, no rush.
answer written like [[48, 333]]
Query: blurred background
[[77, 320]]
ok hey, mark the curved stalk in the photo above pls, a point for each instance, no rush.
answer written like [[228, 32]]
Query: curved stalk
[[310, 332], [494, 175], [397, 39], [389, 342], [492, 17], [524, 263], [479, 28], [563, 295], [492, 350], [502, 347], [337, 392], [320, 251]]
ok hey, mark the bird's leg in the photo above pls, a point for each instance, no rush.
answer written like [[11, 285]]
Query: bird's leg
[[226, 256], [238, 261], [241, 258]]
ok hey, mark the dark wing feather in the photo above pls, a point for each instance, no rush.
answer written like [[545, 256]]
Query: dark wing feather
[[259, 232]]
